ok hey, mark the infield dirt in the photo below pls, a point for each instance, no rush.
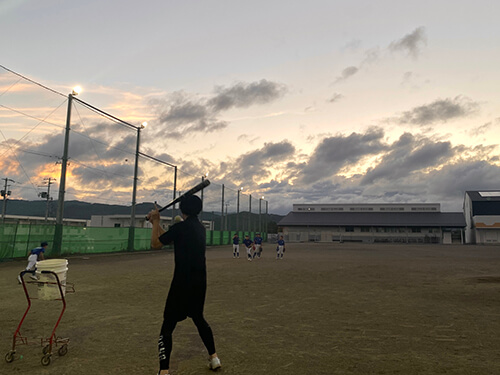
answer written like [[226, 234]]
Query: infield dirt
[[323, 309]]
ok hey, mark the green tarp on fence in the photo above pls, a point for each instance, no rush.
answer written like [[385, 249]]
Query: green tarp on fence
[[16, 240]]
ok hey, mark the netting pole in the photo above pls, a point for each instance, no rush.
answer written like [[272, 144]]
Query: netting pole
[[238, 211], [266, 219], [175, 192], [260, 214], [222, 210], [250, 213], [131, 229], [58, 230]]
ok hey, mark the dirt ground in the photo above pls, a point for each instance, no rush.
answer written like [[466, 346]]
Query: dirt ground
[[323, 309]]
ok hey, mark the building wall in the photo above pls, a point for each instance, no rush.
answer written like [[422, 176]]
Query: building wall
[[372, 234], [367, 207], [487, 236], [487, 229], [470, 233]]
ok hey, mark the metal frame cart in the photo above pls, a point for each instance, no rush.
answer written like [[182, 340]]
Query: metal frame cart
[[46, 343]]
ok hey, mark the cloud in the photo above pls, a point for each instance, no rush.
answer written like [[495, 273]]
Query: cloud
[[410, 43], [269, 154], [482, 129], [181, 114], [334, 153], [346, 73], [335, 97], [243, 95], [407, 155], [441, 110]]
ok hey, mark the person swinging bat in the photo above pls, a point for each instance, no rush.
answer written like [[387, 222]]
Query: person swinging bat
[[186, 297]]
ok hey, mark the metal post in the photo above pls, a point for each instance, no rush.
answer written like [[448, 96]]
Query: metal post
[[238, 211], [58, 230], [260, 220], [250, 213], [201, 213], [266, 228], [222, 210], [131, 229], [175, 191]]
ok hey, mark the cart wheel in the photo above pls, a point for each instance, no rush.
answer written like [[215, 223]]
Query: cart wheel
[[45, 349], [46, 360], [9, 357], [63, 350]]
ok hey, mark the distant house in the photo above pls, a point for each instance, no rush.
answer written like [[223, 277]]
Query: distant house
[[404, 223], [482, 217]]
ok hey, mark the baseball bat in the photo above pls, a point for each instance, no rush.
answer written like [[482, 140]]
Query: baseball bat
[[202, 185]]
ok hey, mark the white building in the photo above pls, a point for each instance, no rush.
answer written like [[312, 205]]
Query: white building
[[405, 223], [123, 221], [482, 217], [21, 219]]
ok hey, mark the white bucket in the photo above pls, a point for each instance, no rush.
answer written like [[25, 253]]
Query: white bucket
[[47, 286]]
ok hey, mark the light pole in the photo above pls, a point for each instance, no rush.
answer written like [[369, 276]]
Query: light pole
[[131, 228], [5, 192], [238, 210], [58, 230], [260, 216]]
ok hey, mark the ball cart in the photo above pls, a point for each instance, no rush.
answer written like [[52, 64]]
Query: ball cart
[[48, 279]]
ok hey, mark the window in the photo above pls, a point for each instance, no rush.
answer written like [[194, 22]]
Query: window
[[349, 229], [117, 225], [365, 229], [416, 230]]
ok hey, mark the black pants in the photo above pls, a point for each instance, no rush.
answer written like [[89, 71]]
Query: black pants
[[165, 341]]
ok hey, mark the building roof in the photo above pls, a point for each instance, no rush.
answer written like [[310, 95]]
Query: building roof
[[484, 195], [380, 219], [485, 202]]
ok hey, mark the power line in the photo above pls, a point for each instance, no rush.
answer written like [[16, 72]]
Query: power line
[[40, 121], [105, 114], [30, 80]]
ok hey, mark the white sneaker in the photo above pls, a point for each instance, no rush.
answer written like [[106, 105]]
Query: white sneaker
[[33, 277], [19, 279], [214, 363]]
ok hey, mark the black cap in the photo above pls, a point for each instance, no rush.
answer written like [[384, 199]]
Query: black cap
[[44, 244]]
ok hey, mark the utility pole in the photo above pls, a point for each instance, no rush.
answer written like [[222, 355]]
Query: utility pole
[[46, 195], [58, 230], [5, 192]]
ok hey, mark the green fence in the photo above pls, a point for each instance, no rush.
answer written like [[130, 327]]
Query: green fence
[[16, 240]]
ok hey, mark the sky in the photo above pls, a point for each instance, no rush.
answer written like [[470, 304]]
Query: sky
[[297, 101]]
